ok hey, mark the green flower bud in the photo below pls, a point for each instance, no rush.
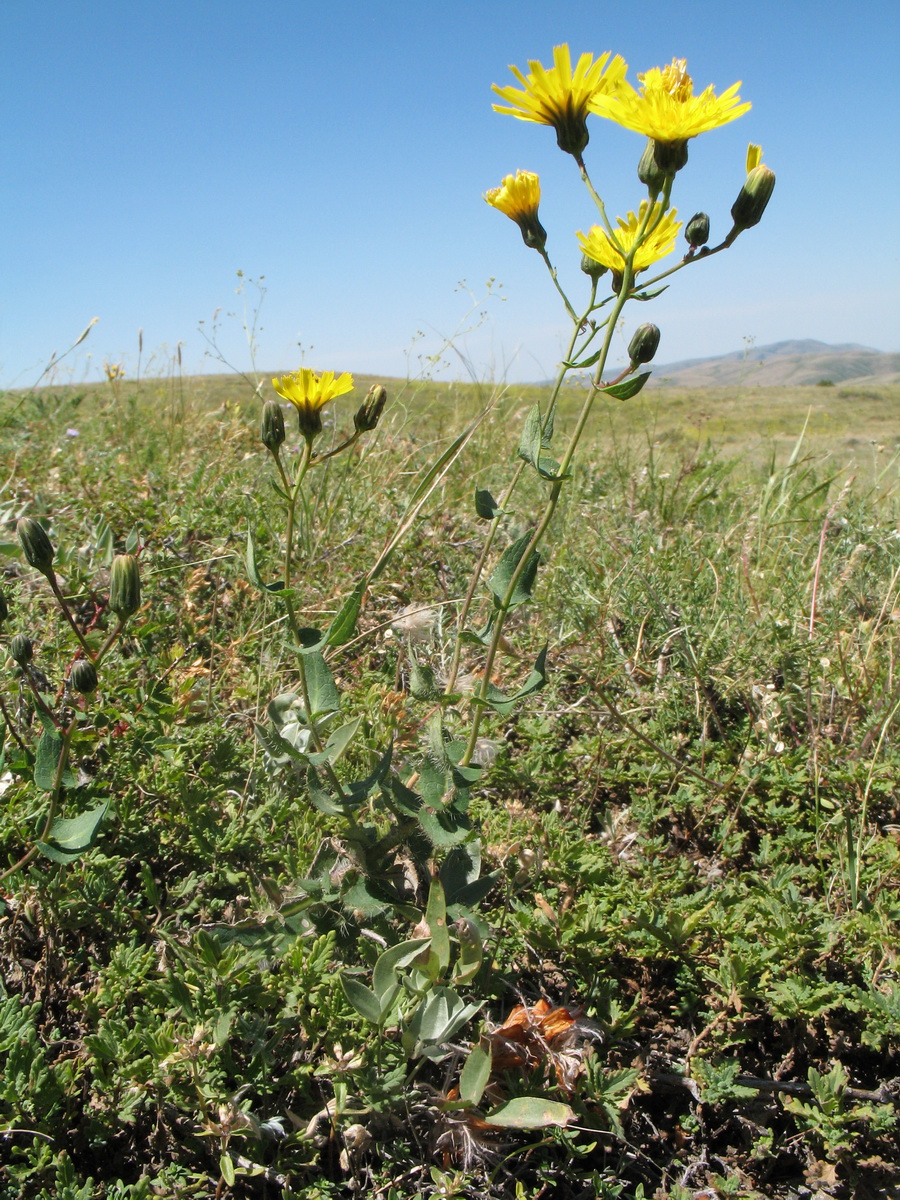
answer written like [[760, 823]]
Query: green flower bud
[[591, 267], [83, 677], [4, 608], [369, 412], [37, 547], [696, 232], [752, 199], [124, 586], [649, 171], [272, 431], [22, 649], [668, 157], [643, 345]]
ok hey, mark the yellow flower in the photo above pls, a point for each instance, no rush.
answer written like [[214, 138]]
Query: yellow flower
[[754, 157], [556, 96], [666, 108], [518, 197], [598, 245], [309, 393]]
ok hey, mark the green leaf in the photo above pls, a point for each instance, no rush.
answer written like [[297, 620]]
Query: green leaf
[[253, 572], [362, 998], [309, 640], [584, 363], [324, 698], [486, 507], [649, 295], [343, 627], [475, 891], [471, 951], [362, 897], [505, 569], [359, 790], [530, 1112], [504, 705], [534, 442], [627, 388], [436, 920], [46, 763], [461, 867], [226, 1166], [423, 683], [448, 827], [394, 959], [475, 1074], [70, 837], [530, 443], [336, 744]]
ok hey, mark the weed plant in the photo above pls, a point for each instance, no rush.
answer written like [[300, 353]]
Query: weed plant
[[410, 843]]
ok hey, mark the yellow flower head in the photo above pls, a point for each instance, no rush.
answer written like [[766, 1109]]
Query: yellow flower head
[[666, 108], [518, 197], [309, 393], [599, 246], [556, 96]]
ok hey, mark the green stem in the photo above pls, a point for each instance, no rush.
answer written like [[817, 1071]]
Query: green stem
[[354, 437], [553, 501], [601, 207], [504, 501], [293, 496], [61, 600], [565, 299]]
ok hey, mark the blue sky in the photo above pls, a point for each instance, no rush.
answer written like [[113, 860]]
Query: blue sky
[[341, 151]]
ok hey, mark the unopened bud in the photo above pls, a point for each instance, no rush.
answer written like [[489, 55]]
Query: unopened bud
[[369, 412], [649, 171], [643, 345], [696, 232], [661, 160], [83, 677], [272, 429], [4, 608], [124, 586], [591, 267], [22, 649], [752, 199], [37, 547]]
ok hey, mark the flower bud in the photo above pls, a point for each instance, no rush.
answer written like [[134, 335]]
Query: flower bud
[[83, 677], [124, 586], [648, 170], [697, 231], [4, 608], [37, 547], [369, 412], [591, 267], [643, 345], [667, 159], [752, 199], [272, 429], [22, 649]]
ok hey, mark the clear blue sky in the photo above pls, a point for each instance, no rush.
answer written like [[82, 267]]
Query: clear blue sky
[[341, 150]]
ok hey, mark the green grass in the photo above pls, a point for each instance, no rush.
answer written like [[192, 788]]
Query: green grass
[[693, 826]]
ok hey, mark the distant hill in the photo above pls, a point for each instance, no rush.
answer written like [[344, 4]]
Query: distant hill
[[792, 362]]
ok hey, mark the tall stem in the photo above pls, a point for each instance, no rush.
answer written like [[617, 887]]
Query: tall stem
[[504, 501], [551, 505], [293, 497]]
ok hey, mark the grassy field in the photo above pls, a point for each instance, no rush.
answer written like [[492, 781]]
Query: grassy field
[[643, 943]]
